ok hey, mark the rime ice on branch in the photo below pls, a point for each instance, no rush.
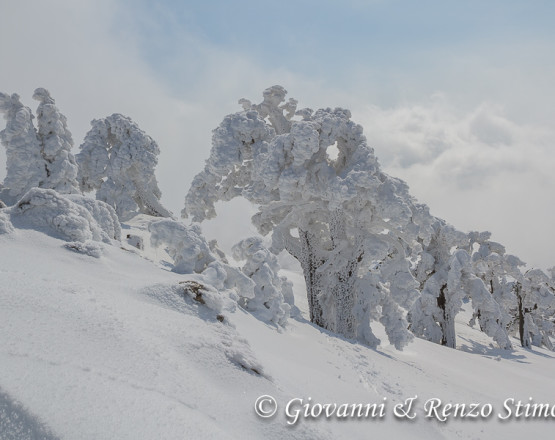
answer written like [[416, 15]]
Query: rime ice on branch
[[117, 159]]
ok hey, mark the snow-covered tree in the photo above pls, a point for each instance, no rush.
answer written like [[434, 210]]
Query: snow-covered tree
[[526, 299], [326, 210], [117, 159], [496, 269], [25, 167], [447, 277], [273, 294], [56, 144], [432, 316], [534, 314]]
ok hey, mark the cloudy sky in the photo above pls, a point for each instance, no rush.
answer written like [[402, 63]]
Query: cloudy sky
[[456, 97]]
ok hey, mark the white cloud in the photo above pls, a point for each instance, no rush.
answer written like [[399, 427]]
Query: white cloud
[[478, 170]]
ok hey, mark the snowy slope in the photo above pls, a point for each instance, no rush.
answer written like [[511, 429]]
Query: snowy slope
[[108, 348]]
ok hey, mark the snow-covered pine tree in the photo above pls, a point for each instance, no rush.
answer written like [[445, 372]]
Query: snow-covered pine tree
[[117, 159], [25, 167], [325, 209], [56, 144]]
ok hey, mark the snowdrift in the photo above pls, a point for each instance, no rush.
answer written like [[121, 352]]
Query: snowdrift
[[121, 347]]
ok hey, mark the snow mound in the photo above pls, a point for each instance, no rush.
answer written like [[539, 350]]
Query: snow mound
[[71, 219], [191, 297]]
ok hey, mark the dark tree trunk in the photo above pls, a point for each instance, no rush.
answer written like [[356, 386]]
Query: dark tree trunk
[[524, 341], [344, 296], [310, 264], [447, 325]]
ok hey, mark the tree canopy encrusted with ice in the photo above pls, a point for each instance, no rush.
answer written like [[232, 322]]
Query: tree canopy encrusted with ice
[[117, 159], [328, 211]]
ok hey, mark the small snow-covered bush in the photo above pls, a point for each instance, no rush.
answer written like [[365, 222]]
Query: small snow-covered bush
[[90, 248], [185, 245], [46, 210], [191, 253], [271, 291], [206, 295]]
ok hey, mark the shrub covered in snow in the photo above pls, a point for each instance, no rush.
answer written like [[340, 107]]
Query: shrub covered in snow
[[191, 253], [69, 219], [90, 248], [273, 294]]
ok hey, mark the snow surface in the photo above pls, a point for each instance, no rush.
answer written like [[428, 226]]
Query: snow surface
[[111, 348]]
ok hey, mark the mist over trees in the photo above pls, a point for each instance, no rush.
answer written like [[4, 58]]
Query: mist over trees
[[370, 254]]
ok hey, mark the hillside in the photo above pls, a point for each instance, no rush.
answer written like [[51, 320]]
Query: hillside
[[111, 348]]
